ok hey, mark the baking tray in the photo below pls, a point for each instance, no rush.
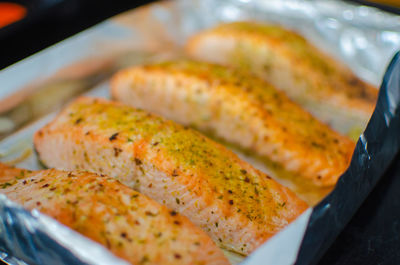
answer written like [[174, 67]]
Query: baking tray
[[363, 37]]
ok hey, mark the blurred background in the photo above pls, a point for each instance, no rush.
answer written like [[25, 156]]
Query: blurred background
[[27, 26]]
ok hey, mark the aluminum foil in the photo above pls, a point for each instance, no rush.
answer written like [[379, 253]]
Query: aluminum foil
[[365, 38], [375, 150], [38, 239]]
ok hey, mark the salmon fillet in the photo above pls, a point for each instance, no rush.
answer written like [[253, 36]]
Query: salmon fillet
[[238, 206], [241, 109], [325, 87], [131, 225]]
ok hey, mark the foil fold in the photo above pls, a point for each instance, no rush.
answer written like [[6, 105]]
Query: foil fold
[[38, 239]]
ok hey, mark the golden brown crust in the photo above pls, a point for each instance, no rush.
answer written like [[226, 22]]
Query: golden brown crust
[[175, 166], [242, 109], [315, 77], [129, 224]]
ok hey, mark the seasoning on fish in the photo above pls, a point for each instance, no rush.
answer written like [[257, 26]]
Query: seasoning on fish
[[325, 87], [241, 109], [237, 205], [129, 224]]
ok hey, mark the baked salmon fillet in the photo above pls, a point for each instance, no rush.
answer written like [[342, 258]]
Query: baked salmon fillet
[[241, 109], [325, 87], [237, 205], [129, 224]]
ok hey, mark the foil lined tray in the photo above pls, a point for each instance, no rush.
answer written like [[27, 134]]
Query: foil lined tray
[[363, 37]]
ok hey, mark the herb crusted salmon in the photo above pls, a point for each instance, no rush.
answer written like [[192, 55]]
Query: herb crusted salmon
[[325, 87], [237, 205], [241, 109], [132, 226]]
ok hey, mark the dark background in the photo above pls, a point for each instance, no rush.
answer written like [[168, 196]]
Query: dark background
[[52, 21], [373, 235]]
